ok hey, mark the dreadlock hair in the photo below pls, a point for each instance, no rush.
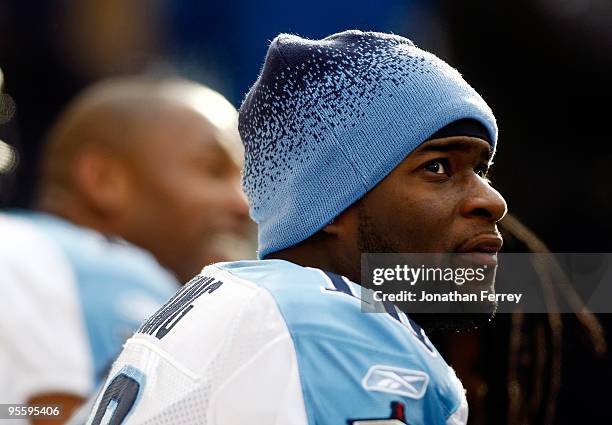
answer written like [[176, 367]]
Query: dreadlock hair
[[534, 360]]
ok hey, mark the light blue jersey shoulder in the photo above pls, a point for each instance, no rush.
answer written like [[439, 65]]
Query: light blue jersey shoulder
[[118, 285], [353, 364]]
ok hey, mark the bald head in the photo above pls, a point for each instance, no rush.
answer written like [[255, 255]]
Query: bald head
[[138, 158], [113, 115]]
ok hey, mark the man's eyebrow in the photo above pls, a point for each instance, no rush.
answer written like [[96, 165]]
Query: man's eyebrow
[[458, 145]]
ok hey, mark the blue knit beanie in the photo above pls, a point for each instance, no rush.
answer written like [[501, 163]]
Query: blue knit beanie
[[328, 119]]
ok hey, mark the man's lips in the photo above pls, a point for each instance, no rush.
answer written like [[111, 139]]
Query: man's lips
[[488, 242], [483, 249]]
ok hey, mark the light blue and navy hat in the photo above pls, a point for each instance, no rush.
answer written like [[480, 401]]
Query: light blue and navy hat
[[328, 119]]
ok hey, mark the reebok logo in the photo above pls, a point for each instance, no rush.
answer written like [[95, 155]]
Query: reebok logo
[[394, 380]]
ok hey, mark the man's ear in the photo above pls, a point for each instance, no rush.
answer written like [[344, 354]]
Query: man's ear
[[102, 180], [344, 224]]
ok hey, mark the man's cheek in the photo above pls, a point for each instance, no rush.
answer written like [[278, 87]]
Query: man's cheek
[[429, 222]]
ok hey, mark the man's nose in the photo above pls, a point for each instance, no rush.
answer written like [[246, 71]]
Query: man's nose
[[483, 201], [237, 201]]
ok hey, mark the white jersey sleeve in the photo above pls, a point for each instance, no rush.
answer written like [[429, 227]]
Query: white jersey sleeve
[[41, 325]]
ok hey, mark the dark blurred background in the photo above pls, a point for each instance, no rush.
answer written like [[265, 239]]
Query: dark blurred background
[[544, 66]]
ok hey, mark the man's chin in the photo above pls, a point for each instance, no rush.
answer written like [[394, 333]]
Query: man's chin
[[225, 246]]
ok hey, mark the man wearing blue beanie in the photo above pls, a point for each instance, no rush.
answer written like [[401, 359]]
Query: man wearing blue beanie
[[359, 142]]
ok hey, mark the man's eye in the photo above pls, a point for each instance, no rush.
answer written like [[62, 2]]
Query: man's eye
[[437, 167]]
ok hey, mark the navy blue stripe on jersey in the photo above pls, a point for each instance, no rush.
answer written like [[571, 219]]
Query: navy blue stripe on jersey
[[391, 310], [338, 283]]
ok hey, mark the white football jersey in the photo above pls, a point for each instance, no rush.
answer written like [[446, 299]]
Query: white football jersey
[[69, 300], [271, 342]]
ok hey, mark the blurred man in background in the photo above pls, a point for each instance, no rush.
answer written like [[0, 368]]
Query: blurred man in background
[[155, 162], [132, 163]]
